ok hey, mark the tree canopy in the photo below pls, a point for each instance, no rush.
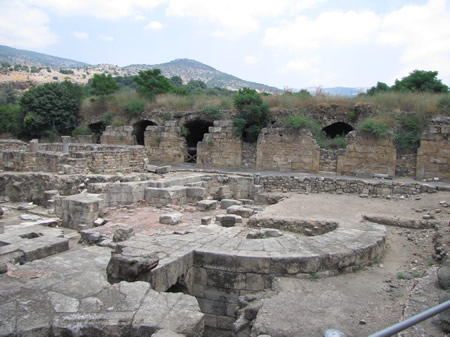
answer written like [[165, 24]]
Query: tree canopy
[[151, 83], [51, 107], [420, 80], [253, 114], [102, 85]]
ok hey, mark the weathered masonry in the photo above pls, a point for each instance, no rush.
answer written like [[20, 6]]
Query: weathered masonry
[[213, 145]]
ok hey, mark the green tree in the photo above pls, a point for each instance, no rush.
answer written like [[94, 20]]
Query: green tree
[[102, 85], [196, 87], [253, 114], [380, 87], [8, 95], [420, 80], [151, 83], [176, 81], [51, 107], [11, 119]]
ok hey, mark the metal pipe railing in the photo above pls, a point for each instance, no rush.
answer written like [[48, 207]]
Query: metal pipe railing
[[392, 330]]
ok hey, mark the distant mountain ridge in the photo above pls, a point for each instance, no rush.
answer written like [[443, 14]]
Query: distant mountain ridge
[[185, 68], [189, 69], [31, 58]]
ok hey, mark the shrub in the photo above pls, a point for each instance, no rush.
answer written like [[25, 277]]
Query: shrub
[[212, 113], [108, 118], [134, 108], [184, 131], [338, 142], [444, 104], [253, 114], [81, 131], [118, 121], [410, 131], [300, 121], [11, 119], [373, 127]]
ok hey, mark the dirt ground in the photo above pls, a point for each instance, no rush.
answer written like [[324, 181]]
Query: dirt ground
[[401, 284]]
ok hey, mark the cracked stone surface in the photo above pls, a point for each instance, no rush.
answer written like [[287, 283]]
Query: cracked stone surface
[[68, 295]]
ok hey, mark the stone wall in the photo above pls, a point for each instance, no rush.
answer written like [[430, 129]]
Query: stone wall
[[106, 160], [433, 156], [366, 155], [118, 135], [12, 145], [285, 149], [328, 160], [248, 155], [311, 184], [165, 143], [405, 165], [219, 148]]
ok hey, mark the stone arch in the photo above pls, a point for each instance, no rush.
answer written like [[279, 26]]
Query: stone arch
[[194, 132], [139, 130], [337, 129]]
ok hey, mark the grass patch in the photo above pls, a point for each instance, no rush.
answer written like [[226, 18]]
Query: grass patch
[[373, 127]]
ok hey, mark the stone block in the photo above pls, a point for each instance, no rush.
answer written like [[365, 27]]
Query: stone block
[[123, 233], [206, 220], [78, 209], [225, 203], [163, 169], [229, 220], [207, 205], [170, 219]]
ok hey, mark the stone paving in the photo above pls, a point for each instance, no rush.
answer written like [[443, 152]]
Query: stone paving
[[68, 295]]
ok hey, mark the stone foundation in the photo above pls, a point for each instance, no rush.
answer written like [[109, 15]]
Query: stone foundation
[[165, 143]]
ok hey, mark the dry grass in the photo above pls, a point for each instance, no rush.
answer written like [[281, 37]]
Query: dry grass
[[189, 103], [386, 107]]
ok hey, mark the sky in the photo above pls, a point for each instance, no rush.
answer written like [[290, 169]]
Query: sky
[[290, 44]]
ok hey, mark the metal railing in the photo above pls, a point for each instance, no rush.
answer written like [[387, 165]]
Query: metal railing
[[392, 330]]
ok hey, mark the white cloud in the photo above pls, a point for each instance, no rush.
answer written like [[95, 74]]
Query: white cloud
[[139, 18], [154, 25], [250, 59], [106, 37], [108, 9], [80, 35], [235, 17], [423, 32], [337, 27], [24, 27], [303, 65]]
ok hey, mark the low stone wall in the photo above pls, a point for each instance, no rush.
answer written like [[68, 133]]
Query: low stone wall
[[366, 155], [118, 135], [165, 143], [107, 160], [284, 149], [340, 185], [219, 148], [12, 145], [433, 156]]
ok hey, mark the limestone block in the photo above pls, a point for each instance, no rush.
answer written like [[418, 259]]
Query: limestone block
[[207, 205], [123, 233], [170, 219], [225, 203], [78, 209]]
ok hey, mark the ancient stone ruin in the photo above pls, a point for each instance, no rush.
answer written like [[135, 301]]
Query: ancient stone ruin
[[108, 240]]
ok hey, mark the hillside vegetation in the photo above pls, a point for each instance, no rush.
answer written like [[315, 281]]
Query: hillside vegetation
[[404, 108]]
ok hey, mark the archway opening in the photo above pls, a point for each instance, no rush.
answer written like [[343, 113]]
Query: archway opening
[[194, 131], [139, 130], [337, 129], [97, 129]]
